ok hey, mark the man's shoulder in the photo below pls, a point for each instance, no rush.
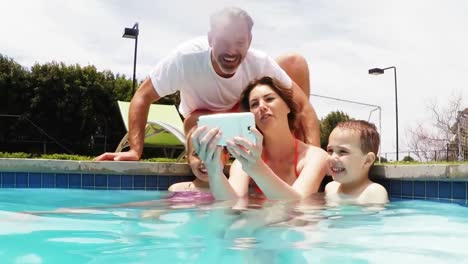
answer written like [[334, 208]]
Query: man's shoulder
[[193, 46], [255, 54]]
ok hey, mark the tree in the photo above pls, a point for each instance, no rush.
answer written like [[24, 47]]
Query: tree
[[14, 93], [381, 160], [328, 123], [433, 142], [408, 159]]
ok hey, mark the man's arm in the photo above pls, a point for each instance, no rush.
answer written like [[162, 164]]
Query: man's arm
[[137, 117], [309, 126]]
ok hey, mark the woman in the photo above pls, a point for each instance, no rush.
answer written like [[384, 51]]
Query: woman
[[280, 166]]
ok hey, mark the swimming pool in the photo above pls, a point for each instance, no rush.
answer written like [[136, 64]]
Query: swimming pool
[[168, 231]]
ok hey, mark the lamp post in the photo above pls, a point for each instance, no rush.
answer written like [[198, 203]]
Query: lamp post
[[378, 71], [132, 33]]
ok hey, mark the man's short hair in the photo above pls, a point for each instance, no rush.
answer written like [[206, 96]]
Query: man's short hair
[[369, 137], [233, 13]]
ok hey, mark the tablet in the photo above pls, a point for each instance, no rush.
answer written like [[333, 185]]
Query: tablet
[[231, 125]]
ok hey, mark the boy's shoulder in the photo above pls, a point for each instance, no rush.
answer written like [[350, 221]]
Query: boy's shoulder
[[374, 193], [332, 187], [180, 186]]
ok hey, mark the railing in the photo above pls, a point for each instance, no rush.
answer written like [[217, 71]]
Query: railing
[[446, 154]]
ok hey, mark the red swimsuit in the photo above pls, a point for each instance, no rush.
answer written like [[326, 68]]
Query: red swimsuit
[[265, 158]]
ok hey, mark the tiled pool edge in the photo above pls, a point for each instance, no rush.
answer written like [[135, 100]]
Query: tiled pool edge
[[441, 182], [128, 175], [434, 182]]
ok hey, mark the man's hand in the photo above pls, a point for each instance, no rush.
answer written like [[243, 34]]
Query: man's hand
[[119, 156]]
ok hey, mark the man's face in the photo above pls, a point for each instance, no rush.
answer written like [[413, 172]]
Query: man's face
[[229, 41]]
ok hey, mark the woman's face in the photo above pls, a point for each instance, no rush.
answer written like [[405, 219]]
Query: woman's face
[[268, 107]]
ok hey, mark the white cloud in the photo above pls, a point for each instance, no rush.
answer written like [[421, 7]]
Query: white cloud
[[341, 40]]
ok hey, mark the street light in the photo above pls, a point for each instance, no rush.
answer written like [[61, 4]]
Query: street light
[[132, 33], [378, 71]]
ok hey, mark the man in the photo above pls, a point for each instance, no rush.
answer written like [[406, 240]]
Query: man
[[211, 76]]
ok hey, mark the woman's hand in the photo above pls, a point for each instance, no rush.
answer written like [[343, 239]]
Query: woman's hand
[[248, 153], [205, 143]]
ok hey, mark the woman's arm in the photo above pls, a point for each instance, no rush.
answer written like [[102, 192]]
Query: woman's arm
[[248, 154], [314, 170]]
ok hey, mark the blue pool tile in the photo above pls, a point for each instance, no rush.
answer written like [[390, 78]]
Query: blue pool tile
[[459, 190], [22, 180], [433, 199], [74, 181], [113, 181], [88, 180], [8, 180], [407, 188], [384, 183], [420, 188], [163, 182], [151, 181], [62, 180], [100, 180], [395, 187], [48, 180], [126, 182], [432, 189], [445, 190], [443, 200], [459, 201], [35, 180], [139, 181], [396, 198], [176, 179]]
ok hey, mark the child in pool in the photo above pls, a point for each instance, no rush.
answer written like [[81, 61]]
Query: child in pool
[[201, 182], [352, 147]]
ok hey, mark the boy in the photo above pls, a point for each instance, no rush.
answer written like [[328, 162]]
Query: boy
[[352, 147]]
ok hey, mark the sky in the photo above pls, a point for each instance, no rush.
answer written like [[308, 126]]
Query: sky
[[426, 40]]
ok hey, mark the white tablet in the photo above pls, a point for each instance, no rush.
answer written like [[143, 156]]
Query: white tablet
[[231, 125]]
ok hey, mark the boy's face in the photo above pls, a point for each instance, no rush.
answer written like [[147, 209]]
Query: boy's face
[[347, 163]]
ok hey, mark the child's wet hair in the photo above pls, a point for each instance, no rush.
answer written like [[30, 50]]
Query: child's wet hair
[[369, 137]]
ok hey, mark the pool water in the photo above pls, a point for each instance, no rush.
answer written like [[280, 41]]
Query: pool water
[[200, 230]]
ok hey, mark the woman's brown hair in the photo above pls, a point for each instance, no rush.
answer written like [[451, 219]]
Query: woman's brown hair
[[278, 88]]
